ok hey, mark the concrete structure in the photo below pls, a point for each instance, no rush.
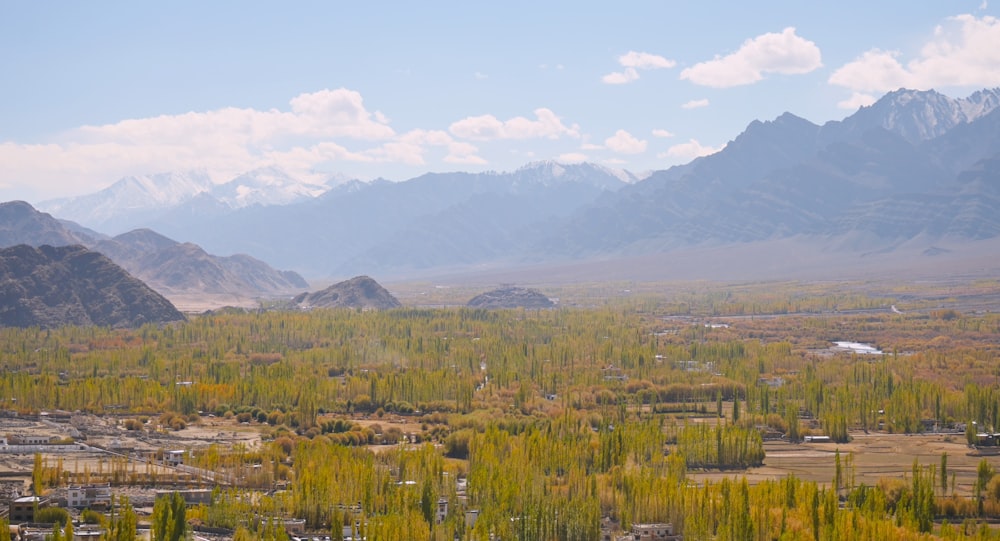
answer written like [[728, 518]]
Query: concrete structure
[[22, 510], [654, 532], [30, 439], [194, 496], [174, 458], [470, 517], [91, 496], [441, 511], [295, 526]]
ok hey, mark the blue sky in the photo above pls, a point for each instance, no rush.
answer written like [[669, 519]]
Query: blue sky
[[93, 91]]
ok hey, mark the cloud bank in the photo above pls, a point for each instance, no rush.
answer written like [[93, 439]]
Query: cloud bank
[[784, 53], [964, 51]]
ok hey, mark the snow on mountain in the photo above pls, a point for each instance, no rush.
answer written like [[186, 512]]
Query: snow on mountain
[[553, 172], [133, 194], [920, 115], [266, 186], [136, 201]]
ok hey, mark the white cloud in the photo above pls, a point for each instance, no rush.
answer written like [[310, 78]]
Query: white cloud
[[481, 76], [591, 146], [621, 77], [695, 104], [314, 130], [488, 127], [398, 152], [687, 151], [459, 152], [856, 101], [624, 142], [571, 157], [646, 61], [410, 148], [785, 53], [633, 61], [964, 51], [426, 137], [662, 133]]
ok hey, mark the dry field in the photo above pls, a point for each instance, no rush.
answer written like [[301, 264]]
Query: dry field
[[874, 455]]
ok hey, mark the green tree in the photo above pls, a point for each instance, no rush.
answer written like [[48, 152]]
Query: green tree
[[427, 502], [168, 520], [944, 472], [122, 522]]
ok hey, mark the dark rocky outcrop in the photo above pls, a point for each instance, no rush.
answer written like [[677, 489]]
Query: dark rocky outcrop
[[69, 285], [358, 292], [511, 297]]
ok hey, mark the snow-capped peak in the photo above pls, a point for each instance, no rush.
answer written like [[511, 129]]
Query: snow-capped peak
[[266, 186], [131, 194]]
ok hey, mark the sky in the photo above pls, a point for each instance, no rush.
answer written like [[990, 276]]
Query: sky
[[95, 91]]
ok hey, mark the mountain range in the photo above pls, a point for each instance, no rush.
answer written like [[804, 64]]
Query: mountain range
[[916, 170], [134, 201], [168, 266]]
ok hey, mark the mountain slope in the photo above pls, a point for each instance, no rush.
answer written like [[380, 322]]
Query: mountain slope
[[70, 285], [173, 267], [873, 176], [20, 223], [163, 263]]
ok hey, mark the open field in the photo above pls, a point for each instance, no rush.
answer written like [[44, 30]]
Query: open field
[[875, 456]]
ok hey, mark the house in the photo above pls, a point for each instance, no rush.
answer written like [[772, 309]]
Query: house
[[987, 439], [23, 509], [471, 516], [173, 458], [441, 512], [91, 496], [295, 526], [613, 373], [194, 496], [34, 439], [655, 532]]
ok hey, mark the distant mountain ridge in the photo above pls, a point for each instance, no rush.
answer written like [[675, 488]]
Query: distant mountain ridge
[[166, 265], [860, 178], [434, 220], [132, 201], [51, 287], [914, 168]]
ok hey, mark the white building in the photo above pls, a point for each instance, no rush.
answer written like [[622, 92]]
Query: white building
[[654, 532], [174, 458], [91, 496]]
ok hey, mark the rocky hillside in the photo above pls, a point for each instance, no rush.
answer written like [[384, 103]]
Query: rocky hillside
[[55, 286], [511, 297], [358, 292], [19, 220], [168, 266]]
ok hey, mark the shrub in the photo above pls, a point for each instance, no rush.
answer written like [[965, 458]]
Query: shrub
[[52, 515]]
